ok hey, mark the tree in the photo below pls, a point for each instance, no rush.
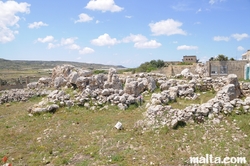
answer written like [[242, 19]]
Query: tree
[[149, 66], [211, 59], [221, 57]]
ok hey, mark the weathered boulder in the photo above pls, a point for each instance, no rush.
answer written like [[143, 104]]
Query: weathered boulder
[[84, 73], [201, 69], [62, 71], [40, 109], [44, 80], [116, 83], [151, 84], [32, 85], [122, 106], [232, 79], [59, 81], [52, 108], [227, 93], [105, 92], [187, 74], [72, 78], [131, 87], [112, 71]]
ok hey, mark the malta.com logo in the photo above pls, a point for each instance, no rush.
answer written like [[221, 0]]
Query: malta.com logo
[[210, 159]]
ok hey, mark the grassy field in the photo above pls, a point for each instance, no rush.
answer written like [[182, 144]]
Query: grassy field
[[9, 74], [77, 136], [16, 68]]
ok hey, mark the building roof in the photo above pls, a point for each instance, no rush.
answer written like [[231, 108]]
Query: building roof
[[246, 53], [189, 56]]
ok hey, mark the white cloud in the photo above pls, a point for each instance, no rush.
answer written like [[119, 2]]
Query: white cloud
[[9, 18], [175, 42], [103, 5], [86, 50], [141, 41], [73, 47], [239, 37], [134, 38], [240, 48], [197, 23], [221, 38], [68, 41], [181, 6], [104, 40], [198, 11], [84, 18], [52, 45], [185, 47], [148, 44], [46, 39], [37, 24], [215, 1], [167, 27], [97, 21], [128, 16]]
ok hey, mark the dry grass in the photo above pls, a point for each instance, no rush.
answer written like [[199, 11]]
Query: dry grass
[[77, 136], [10, 74], [183, 103]]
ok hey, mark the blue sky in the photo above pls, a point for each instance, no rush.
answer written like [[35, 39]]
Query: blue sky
[[123, 32]]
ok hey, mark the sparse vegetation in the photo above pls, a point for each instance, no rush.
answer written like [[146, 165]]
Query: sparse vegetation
[[185, 63], [221, 57], [15, 69], [78, 136], [150, 66], [183, 103], [100, 71]]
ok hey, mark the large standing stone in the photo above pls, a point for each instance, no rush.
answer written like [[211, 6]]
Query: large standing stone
[[232, 79], [112, 71], [151, 84], [73, 77], [59, 81], [227, 93]]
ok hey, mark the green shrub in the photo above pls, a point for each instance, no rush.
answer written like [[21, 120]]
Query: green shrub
[[100, 72], [150, 66]]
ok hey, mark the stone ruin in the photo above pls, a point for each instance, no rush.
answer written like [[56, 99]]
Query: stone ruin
[[97, 91]]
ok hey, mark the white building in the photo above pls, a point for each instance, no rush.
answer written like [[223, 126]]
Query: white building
[[246, 56]]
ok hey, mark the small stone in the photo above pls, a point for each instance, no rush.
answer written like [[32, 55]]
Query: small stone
[[118, 126], [7, 105]]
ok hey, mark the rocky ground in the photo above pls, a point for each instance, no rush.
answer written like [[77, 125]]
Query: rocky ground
[[70, 86], [95, 91]]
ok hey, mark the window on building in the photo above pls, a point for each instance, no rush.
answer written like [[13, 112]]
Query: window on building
[[223, 69], [214, 70]]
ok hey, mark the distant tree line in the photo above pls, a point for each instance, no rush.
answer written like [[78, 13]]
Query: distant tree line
[[145, 67], [149, 66], [221, 57]]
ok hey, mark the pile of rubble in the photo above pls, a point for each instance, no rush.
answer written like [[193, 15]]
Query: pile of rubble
[[17, 95], [225, 102], [95, 91]]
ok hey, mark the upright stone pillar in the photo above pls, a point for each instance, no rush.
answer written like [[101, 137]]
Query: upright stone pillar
[[27, 79]]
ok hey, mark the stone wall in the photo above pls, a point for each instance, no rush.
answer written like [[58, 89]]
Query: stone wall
[[232, 67], [17, 83], [172, 70]]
